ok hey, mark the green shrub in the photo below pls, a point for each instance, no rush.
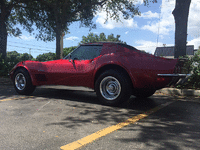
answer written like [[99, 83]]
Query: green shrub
[[25, 56], [192, 66], [3, 66], [46, 57], [11, 60], [68, 50]]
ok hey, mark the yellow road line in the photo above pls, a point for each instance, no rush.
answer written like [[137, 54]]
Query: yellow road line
[[9, 99], [90, 138]]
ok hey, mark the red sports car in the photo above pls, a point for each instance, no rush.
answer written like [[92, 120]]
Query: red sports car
[[114, 70]]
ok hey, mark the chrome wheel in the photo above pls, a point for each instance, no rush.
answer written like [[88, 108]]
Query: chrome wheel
[[20, 81], [110, 88]]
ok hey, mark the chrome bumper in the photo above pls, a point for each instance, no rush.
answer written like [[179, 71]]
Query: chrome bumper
[[177, 79], [174, 75]]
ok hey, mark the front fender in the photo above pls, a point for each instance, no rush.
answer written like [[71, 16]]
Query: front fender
[[28, 65], [16, 67]]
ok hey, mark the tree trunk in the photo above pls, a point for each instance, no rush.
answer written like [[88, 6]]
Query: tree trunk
[[180, 13], [3, 38], [58, 33]]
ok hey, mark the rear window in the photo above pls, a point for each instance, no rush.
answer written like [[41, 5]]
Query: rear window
[[131, 48], [128, 46]]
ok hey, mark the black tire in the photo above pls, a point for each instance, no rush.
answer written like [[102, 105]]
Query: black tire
[[22, 82], [143, 93], [113, 87]]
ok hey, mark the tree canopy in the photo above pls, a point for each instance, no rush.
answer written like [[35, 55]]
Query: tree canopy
[[12, 13], [55, 16], [91, 37], [52, 17]]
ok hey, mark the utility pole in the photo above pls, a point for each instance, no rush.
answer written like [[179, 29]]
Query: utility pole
[[30, 53]]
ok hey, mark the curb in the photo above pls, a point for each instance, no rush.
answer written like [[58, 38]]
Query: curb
[[179, 92]]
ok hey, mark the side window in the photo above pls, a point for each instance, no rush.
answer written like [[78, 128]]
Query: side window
[[77, 53], [86, 52]]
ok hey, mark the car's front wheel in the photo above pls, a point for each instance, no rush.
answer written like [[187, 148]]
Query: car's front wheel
[[22, 82], [113, 87]]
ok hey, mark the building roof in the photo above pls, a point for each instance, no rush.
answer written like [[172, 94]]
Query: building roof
[[169, 51]]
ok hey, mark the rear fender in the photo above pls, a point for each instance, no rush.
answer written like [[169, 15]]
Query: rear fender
[[109, 61]]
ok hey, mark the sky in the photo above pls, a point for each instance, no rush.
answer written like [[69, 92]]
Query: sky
[[155, 27]]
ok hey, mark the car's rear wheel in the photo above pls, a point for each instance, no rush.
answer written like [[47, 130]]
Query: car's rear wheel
[[22, 82], [143, 93], [113, 87]]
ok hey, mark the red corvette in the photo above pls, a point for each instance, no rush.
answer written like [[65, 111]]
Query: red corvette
[[114, 70]]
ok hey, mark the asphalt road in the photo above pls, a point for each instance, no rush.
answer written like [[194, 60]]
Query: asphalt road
[[53, 117]]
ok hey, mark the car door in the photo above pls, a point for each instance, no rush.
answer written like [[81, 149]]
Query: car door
[[83, 61], [60, 71]]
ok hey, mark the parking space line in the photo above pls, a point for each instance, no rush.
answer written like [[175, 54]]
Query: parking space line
[[90, 138], [9, 99]]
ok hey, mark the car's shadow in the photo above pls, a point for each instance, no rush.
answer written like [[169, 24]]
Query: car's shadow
[[89, 96], [89, 108]]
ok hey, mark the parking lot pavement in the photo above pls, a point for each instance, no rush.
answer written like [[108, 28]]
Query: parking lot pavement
[[56, 116]]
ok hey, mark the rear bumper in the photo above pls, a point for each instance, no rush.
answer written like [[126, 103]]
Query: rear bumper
[[174, 75], [177, 79]]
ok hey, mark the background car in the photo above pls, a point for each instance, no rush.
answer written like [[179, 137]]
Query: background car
[[114, 70]]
